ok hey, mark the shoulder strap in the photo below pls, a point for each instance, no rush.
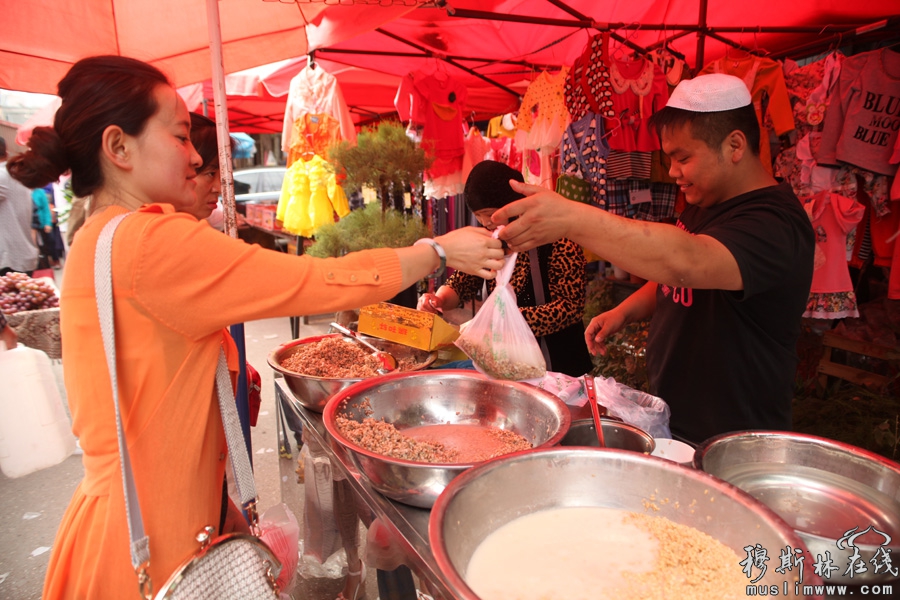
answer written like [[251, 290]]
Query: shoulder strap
[[140, 543]]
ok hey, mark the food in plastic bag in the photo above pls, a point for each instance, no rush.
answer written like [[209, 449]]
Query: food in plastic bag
[[281, 533], [498, 339], [635, 407]]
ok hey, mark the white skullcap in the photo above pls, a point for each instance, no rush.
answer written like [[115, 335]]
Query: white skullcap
[[710, 93]]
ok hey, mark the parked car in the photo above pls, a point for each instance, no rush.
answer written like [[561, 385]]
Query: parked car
[[261, 185]]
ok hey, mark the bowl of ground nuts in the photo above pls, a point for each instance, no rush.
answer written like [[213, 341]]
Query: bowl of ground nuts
[[317, 367], [412, 433]]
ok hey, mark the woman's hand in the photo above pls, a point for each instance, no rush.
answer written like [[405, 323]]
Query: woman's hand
[[601, 327], [431, 303], [472, 250]]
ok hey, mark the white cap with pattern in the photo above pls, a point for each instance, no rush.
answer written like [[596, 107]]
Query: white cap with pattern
[[710, 93]]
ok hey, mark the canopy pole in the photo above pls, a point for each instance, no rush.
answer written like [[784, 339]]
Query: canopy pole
[[221, 110], [701, 36], [224, 139]]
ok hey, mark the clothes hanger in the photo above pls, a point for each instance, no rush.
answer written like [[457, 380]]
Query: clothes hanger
[[311, 59], [619, 120]]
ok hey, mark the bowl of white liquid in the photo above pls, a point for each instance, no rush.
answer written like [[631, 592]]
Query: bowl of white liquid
[[608, 524]]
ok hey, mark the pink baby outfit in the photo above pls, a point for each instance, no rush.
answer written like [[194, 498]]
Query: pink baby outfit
[[831, 294]]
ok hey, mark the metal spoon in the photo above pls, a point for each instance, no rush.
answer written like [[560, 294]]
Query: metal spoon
[[386, 358], [595, 410]]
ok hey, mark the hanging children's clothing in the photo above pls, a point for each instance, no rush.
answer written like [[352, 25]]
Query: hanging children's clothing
[[313, 134], [502, 126], [764, 78], [315, 91], [587, 88], [584, 153], [810, 89], [543, 117], [477, 146], [861, 122], [542, 120], [831, 293], [438, 104], [310, 197], [503, 149], [639, 90]]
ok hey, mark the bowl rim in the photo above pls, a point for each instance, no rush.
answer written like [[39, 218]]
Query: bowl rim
[[613, 421], [439, 510], [329, 414], [766, 434], [705, 447], [272, 358]]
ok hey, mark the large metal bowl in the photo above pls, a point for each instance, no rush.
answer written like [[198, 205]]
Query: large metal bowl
[[439, 397], [314, 392], [485, 498], [824, 489]]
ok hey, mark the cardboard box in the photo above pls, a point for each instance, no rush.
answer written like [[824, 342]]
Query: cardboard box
[[267, 218], [406, 326]]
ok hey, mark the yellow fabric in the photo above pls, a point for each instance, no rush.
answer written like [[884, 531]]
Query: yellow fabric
[[176, 284], [310, 197], [496, 129], [444, 112]]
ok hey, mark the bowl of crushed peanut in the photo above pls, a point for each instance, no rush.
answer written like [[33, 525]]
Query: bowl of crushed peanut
[[412, 433], [315, 368]]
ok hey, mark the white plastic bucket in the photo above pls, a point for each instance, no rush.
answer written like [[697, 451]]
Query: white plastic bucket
[[35, 432]]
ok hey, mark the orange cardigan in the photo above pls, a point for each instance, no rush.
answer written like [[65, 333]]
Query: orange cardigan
[[177, 283]]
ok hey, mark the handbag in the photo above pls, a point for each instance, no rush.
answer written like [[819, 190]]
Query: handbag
[[573, 188], [254, 393], [235, 566]]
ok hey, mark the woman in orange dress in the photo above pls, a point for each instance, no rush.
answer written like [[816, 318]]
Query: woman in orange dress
[[125, 134]]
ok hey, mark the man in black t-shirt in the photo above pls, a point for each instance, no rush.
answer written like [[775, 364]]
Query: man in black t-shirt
[[726, 287]]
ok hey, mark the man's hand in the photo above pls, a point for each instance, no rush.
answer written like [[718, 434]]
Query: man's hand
[[601, 327], [542, 217]]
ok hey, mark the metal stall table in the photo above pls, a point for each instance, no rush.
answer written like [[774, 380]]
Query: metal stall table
[[408, 524]]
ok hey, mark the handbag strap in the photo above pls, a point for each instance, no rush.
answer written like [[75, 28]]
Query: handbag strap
[[237, 450], [140, 543], [538, 283]]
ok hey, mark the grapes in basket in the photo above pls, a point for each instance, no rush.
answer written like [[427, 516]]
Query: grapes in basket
[[19, 292]]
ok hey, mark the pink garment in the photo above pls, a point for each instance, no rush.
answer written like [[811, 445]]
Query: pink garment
[[639, 89], [315, 91], [833, 216], [477, 146], [504, 149], [861, 121]]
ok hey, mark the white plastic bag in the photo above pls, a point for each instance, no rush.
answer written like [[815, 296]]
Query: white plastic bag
[[635, 407], [280, 531], [498, 339]]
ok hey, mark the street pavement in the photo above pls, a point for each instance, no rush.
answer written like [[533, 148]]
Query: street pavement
[[33, 504]]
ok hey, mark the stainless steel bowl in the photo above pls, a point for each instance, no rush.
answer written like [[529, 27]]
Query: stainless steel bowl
[[314, 392], [485, 498], [440, 397], [616, 434], [824, 489]]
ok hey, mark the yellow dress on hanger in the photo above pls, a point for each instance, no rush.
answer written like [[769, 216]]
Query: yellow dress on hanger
[[310, 197]]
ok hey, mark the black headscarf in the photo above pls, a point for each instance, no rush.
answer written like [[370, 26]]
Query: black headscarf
[[488, 185]]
